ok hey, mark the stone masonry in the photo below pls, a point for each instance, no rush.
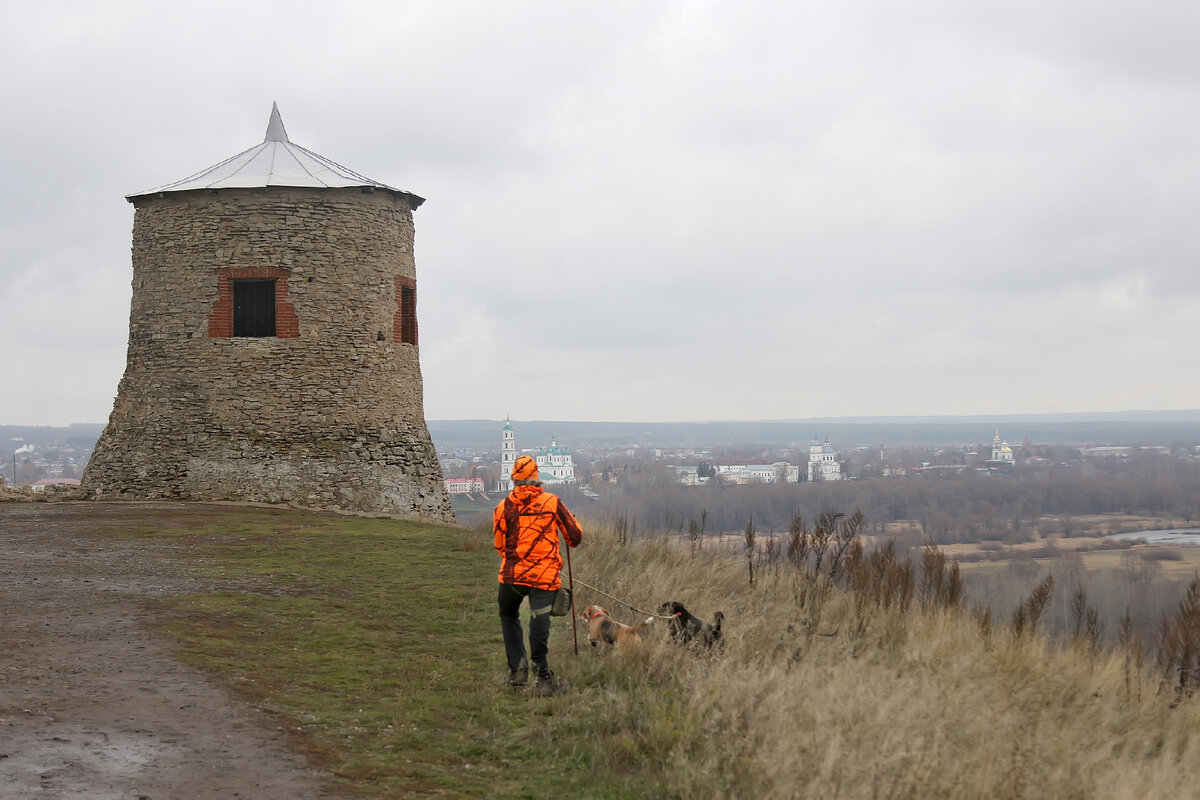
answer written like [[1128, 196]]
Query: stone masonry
[[327, 413]]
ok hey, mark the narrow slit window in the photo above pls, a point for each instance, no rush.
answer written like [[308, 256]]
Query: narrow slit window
[[254, 308], [408, 314]]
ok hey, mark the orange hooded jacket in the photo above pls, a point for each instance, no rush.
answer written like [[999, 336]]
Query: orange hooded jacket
[[525, 527]]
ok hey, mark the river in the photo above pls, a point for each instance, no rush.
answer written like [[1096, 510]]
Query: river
[[1172, 536]]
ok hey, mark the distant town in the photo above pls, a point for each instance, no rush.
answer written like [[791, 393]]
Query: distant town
[[479, 470], [42, 456], [594, 455]]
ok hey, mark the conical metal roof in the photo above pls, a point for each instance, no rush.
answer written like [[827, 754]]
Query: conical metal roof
[[275, 162]]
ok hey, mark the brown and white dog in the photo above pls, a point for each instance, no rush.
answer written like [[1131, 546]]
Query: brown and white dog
[[603, 628]]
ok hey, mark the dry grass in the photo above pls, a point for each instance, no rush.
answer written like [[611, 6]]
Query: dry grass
[[1095, 552], [379, 646], [1081, 525], [822, 693]]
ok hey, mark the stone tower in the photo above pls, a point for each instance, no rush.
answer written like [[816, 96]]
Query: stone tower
[[273, 343]]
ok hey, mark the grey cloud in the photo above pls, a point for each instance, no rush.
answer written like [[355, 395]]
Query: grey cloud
[[903, 199]]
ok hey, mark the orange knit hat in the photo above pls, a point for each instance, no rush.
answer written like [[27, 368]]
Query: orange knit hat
[[525, 469]]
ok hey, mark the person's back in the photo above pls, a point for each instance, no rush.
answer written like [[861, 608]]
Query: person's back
[[525, 528], [526, 525]]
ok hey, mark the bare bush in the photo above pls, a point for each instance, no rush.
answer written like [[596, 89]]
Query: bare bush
[[798, 542], [941, 585], [1027, 615], [750, 536], [1085, 620], [1179, 644], [820, 677]]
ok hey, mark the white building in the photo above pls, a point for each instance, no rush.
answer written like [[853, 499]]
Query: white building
[[508, 457], [743, 473], [689, 476], [464, 485], [454, 467], [822, 462], [1001, 452], [555, 464], [759, 473]]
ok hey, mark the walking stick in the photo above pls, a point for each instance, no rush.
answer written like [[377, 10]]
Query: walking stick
[[571, 587]]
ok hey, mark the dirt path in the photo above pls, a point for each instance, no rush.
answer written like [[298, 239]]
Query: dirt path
[[92, 704]]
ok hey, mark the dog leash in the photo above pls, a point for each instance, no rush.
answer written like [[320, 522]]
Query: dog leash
[[622, 602]]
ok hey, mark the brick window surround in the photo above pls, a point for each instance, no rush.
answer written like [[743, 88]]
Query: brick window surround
[[220, 322], [404, 325]]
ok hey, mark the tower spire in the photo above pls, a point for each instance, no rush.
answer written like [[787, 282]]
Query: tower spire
[[275, 130]]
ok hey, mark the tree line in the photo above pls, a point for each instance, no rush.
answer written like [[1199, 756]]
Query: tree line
[[966, 507]]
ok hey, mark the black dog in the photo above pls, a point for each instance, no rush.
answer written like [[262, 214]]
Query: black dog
[[686, 627]]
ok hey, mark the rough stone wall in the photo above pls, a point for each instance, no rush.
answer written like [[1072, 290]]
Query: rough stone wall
[[329, 414]]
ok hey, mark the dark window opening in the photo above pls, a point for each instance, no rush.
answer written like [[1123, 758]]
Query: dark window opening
[[254, 308], [408, 315]]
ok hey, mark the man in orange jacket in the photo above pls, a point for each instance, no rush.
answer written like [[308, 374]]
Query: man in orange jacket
[[525, 526]]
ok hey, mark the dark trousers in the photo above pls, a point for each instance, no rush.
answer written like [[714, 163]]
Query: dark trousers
[[540, 603]]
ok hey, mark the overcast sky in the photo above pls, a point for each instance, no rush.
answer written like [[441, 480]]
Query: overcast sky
[[654, 210]]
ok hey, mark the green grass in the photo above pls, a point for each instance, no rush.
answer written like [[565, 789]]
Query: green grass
[[377, 645]]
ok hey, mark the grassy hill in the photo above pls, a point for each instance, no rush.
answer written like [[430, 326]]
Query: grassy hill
[[376, 643]]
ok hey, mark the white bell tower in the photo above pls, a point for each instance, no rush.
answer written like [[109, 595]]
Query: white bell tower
[[508, 457]]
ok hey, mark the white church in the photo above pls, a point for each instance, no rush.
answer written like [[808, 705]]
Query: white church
[[555, 464], [1002, 453], [822, 462]]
